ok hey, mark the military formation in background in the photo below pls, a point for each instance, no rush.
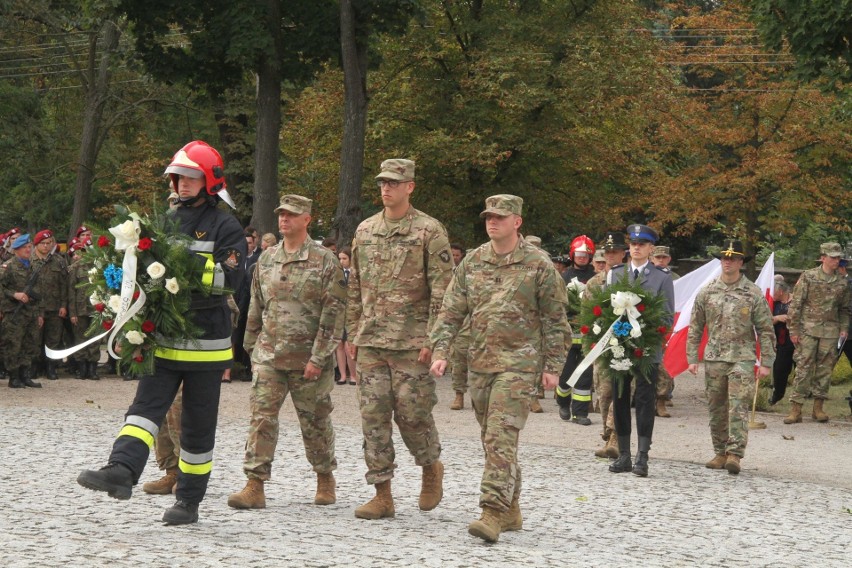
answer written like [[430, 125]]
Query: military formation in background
[[399, 308]]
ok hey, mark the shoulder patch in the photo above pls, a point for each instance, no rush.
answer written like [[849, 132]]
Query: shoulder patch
[[444, 256]]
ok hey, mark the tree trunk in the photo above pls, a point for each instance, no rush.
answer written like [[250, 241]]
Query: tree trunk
[[232, 145], [96, 89], [268, 129], [354, 57]]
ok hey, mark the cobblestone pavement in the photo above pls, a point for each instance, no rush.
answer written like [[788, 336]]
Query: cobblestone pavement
[[575, 513]]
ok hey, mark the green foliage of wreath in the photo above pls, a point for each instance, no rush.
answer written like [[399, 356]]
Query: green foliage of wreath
[[597, 315], [167, 271]]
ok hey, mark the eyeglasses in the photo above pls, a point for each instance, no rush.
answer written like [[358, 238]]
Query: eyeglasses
[[391, 183]]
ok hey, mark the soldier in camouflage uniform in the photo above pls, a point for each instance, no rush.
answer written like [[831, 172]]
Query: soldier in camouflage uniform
[[401, 266], [516, 303], [734, 311], [661, 257], [80, 311], [458, 363], [817, 318], [613, 249], [295, 321], [52, 288], [21, 314]]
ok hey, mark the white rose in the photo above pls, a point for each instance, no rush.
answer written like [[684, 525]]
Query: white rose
[[172, 285], [94, 299], [613, 342], [596, 329], [126, 235], [156, 270], [618, 352], [135, 337], [114, 303]]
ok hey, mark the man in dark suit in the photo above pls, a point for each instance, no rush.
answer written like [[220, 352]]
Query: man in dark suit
[[658, 281], [242, 296]]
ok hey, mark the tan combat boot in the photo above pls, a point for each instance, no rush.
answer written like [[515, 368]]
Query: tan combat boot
[[539, 393], [489, 525], [164, 485], [661, 408], [818, 414], [535, 407], [458, 402], [379, 506], [251, 497], [732, 464], [432, 488], [612, 446], [512, 519], [325, 489], [717, 462], [795, 415]]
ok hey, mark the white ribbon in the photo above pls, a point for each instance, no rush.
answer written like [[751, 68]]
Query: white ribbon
[[599, 349], [126, 239]]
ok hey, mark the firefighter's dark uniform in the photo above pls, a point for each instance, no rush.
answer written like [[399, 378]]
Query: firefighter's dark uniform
[[221, 246], [579, 398]]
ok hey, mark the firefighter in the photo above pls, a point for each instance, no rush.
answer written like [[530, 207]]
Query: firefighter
[[574, 403], [197, 173]]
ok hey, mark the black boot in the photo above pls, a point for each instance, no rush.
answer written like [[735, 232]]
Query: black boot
[[51, 370], [115, 479], [622, 464], [27, 378], [15, 379], [181, 513], [80, 369], [640, 468], [92, 373]]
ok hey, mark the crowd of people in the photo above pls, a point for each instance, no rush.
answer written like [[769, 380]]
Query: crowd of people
[[398, 309]]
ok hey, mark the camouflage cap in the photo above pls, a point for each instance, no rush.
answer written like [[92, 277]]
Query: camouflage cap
[[599, 256], [831, 249], [397, 169], [533, 240], [661, 251], [295, 204], [503, 205]]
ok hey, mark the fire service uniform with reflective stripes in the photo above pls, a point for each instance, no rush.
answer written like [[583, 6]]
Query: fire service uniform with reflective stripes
[[221, 247]]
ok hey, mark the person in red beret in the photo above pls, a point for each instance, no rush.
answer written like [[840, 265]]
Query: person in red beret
[[52, 287]]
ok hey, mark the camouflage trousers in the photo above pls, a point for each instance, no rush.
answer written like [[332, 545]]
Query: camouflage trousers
[[729, 388], [90, 353], [394, 385], [664, 382], [312, 401], [167, 444], [20, 338], [815, 358], [51, 331], [458, 361], [501, 402], [603, 390]]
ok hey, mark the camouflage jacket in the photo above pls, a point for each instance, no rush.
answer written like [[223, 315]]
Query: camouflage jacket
[[733, 314], [517, 312], [52, 282], [78, 298], [820, 306], [296, 310], [13, 279], [398, 281]]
